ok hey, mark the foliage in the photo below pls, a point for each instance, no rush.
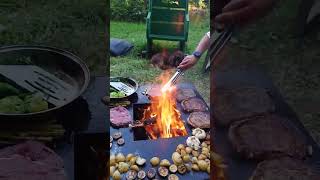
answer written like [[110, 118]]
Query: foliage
[[136, 10], [199, 3], [128, 10], [76, 26]]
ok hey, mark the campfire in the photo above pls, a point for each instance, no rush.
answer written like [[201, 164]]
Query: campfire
[[161, 118]]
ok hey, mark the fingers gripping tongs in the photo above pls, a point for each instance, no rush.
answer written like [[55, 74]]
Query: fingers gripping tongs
[[173, 80], [217, 42]]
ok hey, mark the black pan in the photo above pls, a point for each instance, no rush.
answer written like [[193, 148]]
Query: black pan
[[68, 66], [129, 81]]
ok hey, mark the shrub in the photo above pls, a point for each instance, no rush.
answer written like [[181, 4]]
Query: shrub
[[128, 10]]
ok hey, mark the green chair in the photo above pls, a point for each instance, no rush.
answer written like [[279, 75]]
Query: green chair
[[167, 20]]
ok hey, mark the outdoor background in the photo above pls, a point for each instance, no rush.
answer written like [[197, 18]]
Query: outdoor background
[[271, 43], [128, 22], [77, 26], [274, 44]]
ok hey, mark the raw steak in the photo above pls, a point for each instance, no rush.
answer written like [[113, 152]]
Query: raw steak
[[284, 169], [30, 160], [194, 105], [265, 137], [35, 151], [183, 94], [120, 116], [199, 120], [240, 103]]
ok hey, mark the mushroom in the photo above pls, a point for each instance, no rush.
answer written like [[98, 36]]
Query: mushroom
[[199, 133], [193, 142], [140, 161]]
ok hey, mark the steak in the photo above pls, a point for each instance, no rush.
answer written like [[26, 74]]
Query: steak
[[236, 104], [120, 116], [199, 120], [265, 137], [183, 94], [194, 105], [284, 169], [30, 160]]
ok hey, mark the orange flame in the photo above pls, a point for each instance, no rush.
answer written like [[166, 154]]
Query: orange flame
[[168, 118]]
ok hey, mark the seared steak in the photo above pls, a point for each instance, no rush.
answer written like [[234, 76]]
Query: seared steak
[[199, 120], [30, 160], [284, 169], [265, 137], [240, 103], [193, 105], [183, 94], [120, 116]]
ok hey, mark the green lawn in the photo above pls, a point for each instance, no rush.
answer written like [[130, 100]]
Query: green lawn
[[140, 69], [76, 26]]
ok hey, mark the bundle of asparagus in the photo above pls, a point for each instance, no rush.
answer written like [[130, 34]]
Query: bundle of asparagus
[[46, 132], [116, 103]]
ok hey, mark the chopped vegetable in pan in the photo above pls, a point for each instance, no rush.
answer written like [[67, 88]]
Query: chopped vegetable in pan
[[118, 94], [12, 101]]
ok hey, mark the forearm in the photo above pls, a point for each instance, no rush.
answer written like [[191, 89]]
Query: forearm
[[203, 44]]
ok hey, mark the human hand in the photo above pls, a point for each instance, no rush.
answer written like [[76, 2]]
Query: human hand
[[188, 62], [241, 12]]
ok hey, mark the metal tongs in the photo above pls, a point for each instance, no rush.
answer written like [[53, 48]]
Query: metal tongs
[[173, 80], [217, 44]]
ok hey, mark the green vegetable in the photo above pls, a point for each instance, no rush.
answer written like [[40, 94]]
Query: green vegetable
[[35, 103], [11, 104], [19, 104], [7, 90], [117, 94]]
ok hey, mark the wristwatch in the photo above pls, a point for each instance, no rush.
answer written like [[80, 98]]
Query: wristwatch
[[197, 54]]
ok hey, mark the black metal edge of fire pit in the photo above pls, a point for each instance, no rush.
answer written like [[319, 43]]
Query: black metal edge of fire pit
[[239, 168], [90, 159]]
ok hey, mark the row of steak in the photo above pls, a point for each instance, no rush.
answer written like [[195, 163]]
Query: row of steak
[[257, 133], [199, 116]]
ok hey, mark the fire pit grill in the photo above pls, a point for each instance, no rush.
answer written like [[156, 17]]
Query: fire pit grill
[[162, 147], [143, 120]]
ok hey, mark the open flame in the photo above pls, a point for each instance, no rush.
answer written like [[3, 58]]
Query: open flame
[[163, 110]]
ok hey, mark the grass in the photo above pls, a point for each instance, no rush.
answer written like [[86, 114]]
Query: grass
[[294, 66], [140, 69], [76, 26]]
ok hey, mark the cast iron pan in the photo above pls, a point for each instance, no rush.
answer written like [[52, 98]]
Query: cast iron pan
[[68, 66]]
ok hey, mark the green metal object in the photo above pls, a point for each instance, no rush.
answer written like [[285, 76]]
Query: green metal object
[[167, 20]]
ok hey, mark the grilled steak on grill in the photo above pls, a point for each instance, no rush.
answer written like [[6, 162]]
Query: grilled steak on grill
[[194, 105], [199, 120], [265, 137], [30, 160], [284, 169], [183, 94], [236, 104]]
